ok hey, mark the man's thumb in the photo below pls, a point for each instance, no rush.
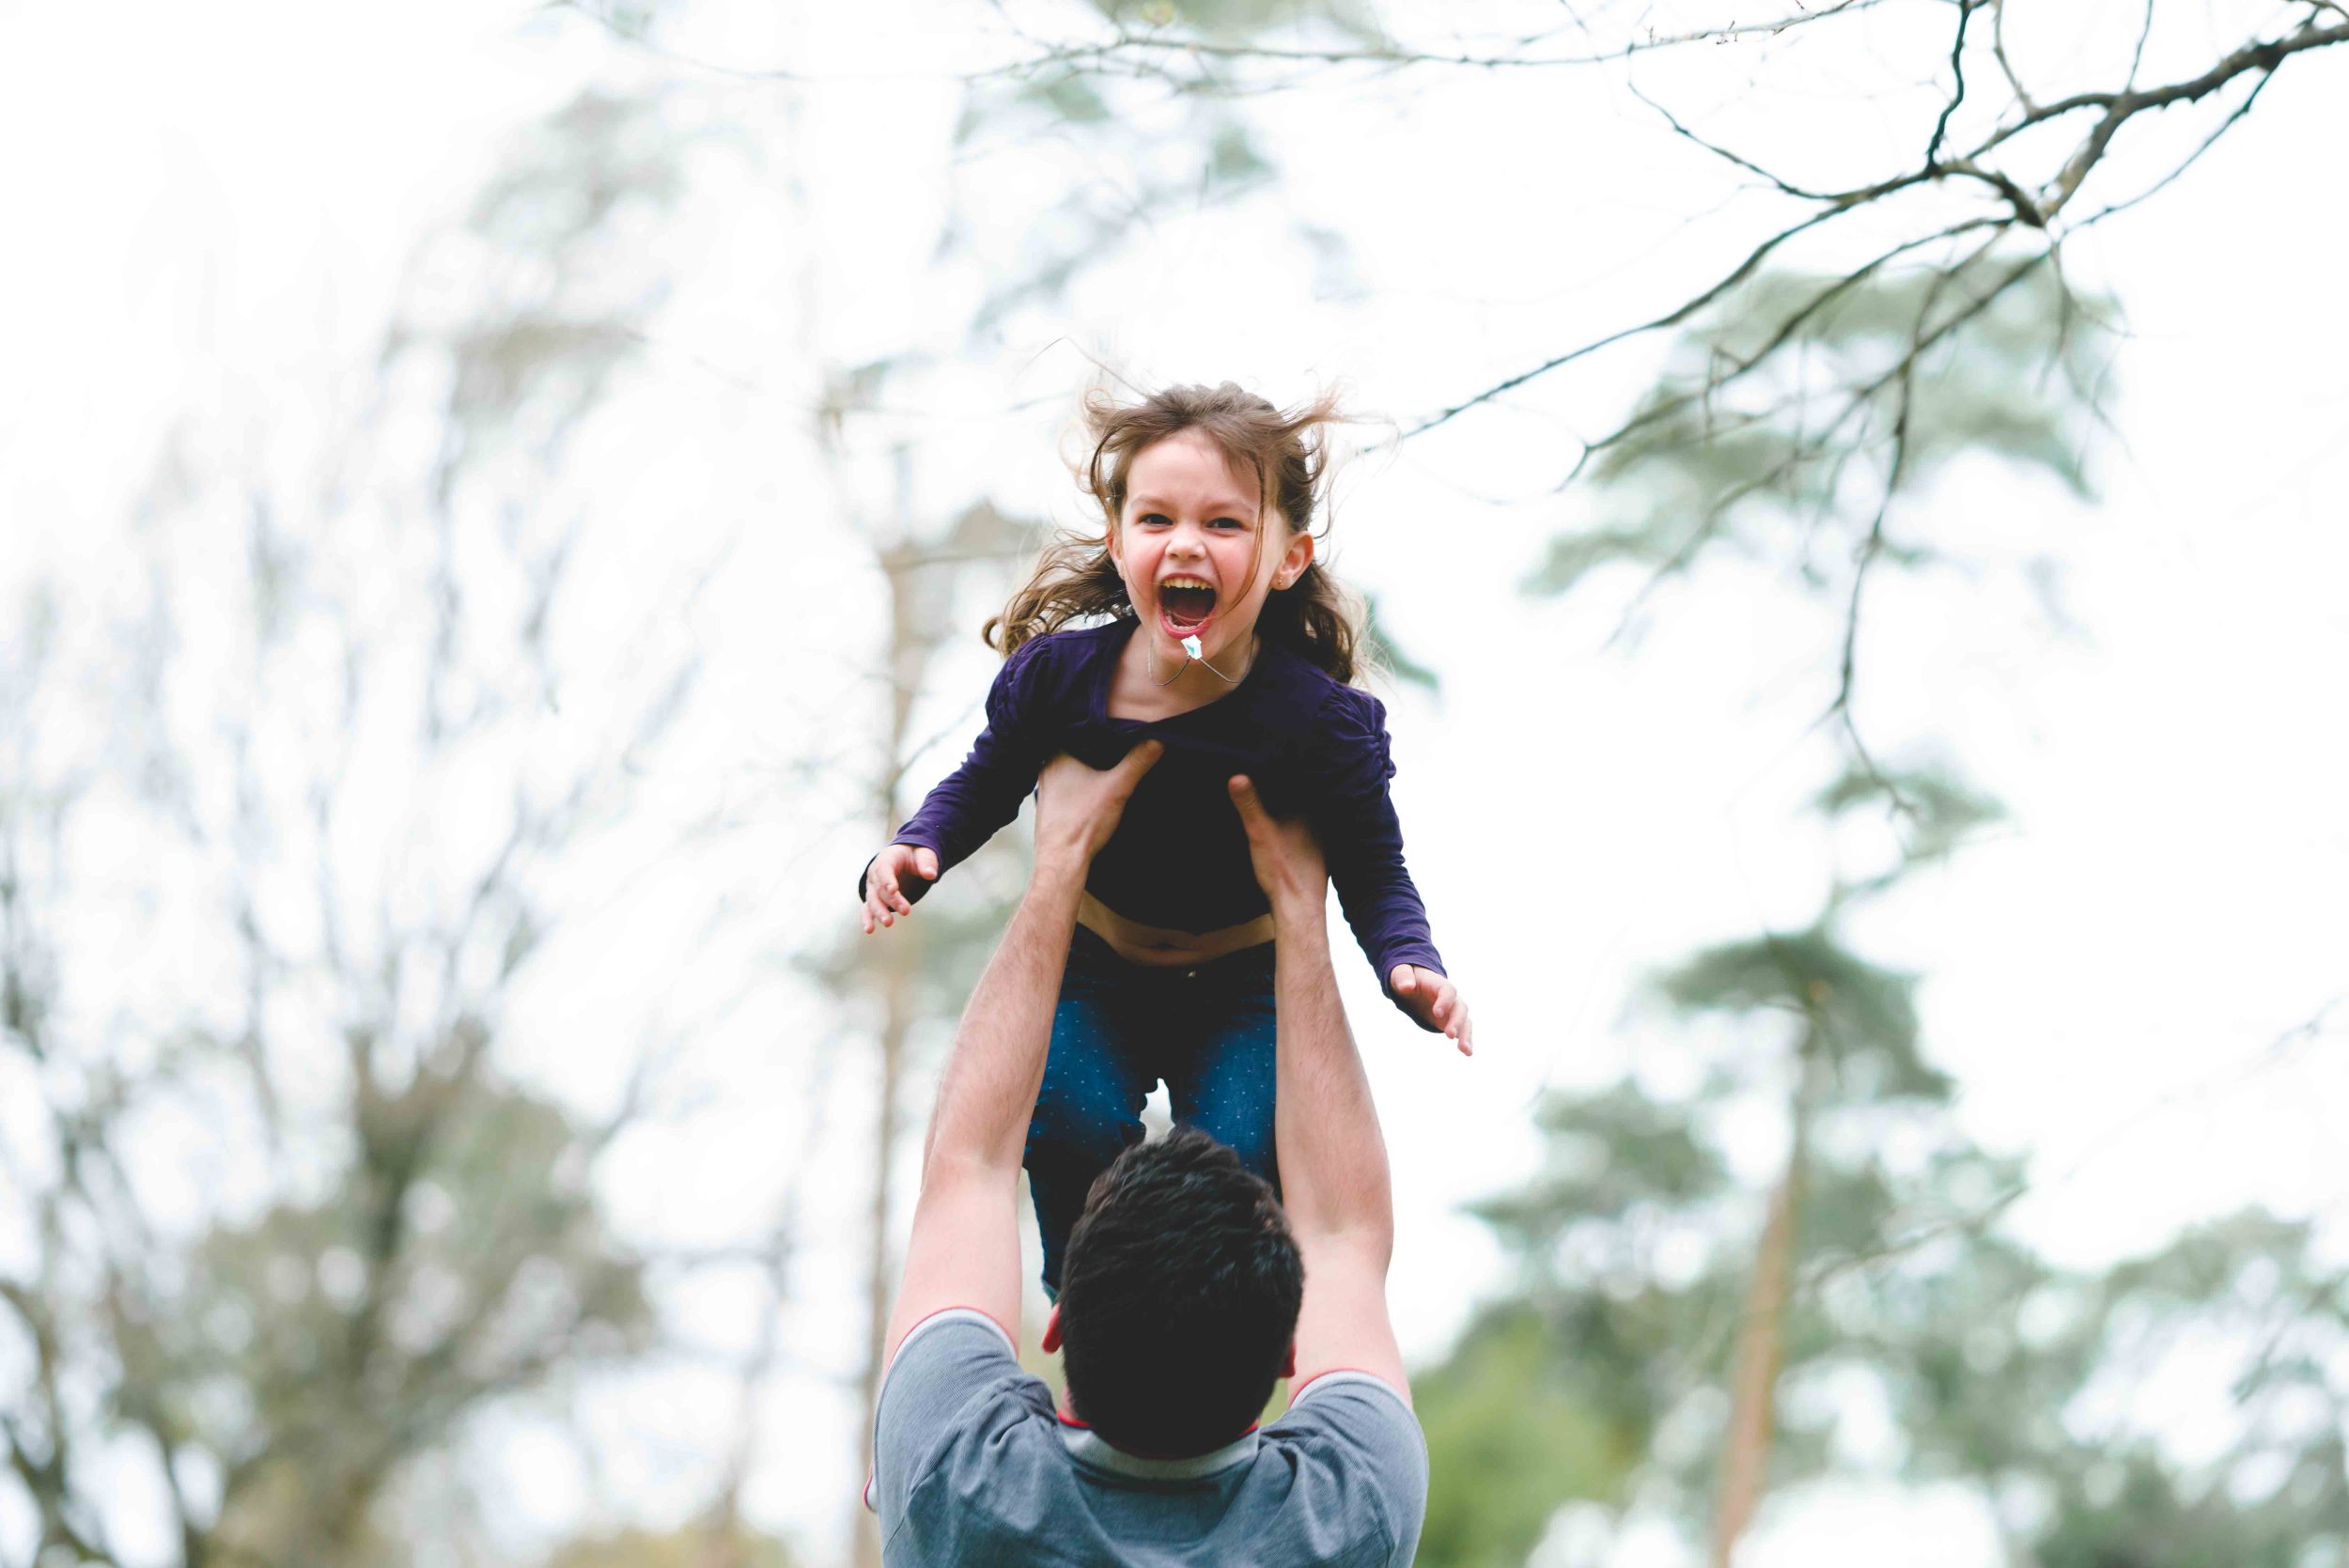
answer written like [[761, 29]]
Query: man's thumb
[[1134, 764], [1244, 797], [925, 861]]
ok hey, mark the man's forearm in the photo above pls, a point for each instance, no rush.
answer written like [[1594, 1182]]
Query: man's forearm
[[1332, 1160], [988, 1092]]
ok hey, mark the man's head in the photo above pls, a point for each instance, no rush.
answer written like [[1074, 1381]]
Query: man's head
[[1179, 1297]]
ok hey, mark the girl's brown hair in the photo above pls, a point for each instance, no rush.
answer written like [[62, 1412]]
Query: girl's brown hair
[[1286, 449]]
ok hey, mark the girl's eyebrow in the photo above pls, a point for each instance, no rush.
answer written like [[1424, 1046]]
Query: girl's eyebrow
[[1221, 508]]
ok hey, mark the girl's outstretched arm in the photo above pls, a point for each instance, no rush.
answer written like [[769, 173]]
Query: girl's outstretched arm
[[1354, 809], [966, 807]]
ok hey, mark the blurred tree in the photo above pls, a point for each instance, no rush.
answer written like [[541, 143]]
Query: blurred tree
[[280, 816], [1683, 1330]]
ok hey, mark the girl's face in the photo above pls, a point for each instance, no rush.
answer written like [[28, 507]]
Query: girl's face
[[1197, 553]]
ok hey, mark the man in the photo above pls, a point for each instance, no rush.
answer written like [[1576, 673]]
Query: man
[[1187, 1292]]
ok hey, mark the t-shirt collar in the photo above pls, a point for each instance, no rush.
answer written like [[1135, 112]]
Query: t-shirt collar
[[1087, 1448]]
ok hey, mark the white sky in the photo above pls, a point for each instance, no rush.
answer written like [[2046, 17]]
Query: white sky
[[209, 212]]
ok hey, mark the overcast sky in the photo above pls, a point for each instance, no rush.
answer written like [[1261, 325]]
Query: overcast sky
[[209, 214]]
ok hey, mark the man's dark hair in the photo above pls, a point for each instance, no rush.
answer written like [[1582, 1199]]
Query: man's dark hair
[[1179, 1297]]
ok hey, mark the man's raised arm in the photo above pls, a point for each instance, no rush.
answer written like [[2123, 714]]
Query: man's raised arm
[[965, 1247], [1334, 1182]]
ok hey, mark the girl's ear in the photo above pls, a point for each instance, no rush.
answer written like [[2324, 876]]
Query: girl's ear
[[1294, 561], [1052, 1332]]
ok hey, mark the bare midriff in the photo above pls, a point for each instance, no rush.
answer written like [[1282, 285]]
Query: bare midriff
[[1138, 943]]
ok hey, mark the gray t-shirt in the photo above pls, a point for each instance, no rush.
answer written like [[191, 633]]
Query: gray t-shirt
[[972, 1468]]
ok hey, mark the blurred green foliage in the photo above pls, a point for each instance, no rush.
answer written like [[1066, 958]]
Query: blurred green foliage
[[1240, 20], [1770, 431], [1922, 1342]]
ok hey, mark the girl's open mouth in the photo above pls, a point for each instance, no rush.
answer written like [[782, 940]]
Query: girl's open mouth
[[1184, 609]]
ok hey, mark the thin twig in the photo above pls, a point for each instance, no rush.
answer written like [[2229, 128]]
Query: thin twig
[[1998, 51], [1957, 95], [2144, 35]]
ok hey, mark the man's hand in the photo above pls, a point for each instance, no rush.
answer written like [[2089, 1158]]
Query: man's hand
[[1435, 1001], [1285, 855], [1077, 807]]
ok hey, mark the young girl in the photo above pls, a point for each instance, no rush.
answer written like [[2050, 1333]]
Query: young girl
[[1227, 643]]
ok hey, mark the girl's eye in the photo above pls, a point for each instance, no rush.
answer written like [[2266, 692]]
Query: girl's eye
[[1233, 524], [1151, 518]]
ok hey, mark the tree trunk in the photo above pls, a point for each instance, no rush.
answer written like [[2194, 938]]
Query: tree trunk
[[1761, 1337]]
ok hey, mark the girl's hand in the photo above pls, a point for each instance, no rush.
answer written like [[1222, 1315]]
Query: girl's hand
[[1436, 1002], [884, 896]]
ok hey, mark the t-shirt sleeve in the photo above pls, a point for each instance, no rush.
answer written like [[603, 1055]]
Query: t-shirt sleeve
[[973, 803], [1354, 811], [1370, 1454], [951, 1362]]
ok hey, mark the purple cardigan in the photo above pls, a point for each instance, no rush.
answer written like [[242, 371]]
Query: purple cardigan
[[1314, 747]]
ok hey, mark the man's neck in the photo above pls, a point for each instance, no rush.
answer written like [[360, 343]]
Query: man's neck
[[1068, 1417]]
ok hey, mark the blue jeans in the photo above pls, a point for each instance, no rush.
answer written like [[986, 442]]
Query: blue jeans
[[1121, 1027]]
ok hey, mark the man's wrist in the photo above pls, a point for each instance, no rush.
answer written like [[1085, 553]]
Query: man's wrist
[[1060, 866], [1298, 914]]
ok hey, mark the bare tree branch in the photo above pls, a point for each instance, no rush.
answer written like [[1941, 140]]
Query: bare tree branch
[[1129, 44], [2025, 209]]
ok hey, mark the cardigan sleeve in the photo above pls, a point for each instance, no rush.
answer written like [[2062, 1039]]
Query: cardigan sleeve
[[972, 804], [1361, 838]]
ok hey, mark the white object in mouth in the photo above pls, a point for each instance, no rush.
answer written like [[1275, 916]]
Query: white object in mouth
[[1190, 647]]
